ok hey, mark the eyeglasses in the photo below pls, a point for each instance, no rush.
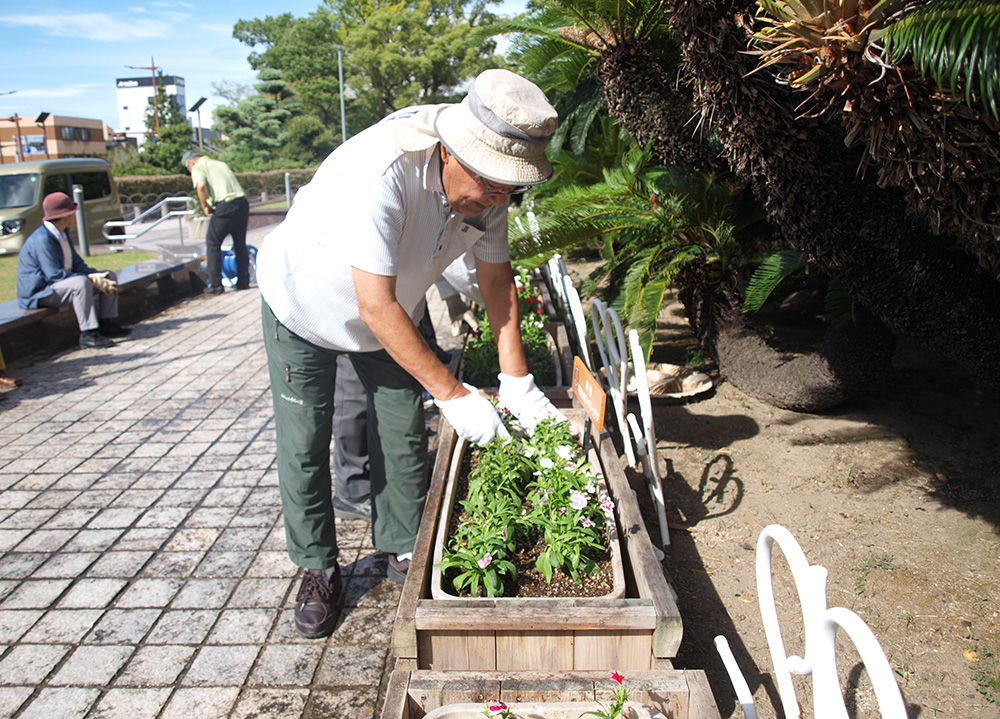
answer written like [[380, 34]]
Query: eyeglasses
[[491, 190]]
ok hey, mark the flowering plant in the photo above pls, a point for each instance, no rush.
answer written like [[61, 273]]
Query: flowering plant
[[480, 361], [617, 703], [496, 709], [522, 490]]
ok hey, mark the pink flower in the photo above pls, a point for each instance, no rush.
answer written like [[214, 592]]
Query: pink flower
[[616, 677], [496, 706], [563, 510], [585, 521], [577, 500], [607, 504], [485, 561]]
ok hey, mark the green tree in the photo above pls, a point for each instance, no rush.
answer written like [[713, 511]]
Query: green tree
[[255, 126], [394, 54], [168, 133]]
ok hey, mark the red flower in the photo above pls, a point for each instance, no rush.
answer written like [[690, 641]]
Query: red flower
[[496, 706], [616, 677]]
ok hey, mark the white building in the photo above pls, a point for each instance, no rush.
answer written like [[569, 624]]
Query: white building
[[133, 99]]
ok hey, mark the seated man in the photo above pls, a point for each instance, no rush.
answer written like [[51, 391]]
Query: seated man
[[50, 273]]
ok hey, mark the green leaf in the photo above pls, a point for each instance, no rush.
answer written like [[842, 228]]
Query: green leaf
[[768, 276]]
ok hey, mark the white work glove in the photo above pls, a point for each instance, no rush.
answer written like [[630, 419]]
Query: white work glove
[[459, 312], [473, 417], [104, 284], [525, 401]]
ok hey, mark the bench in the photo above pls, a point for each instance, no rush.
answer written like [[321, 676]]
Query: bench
[[144, 289]]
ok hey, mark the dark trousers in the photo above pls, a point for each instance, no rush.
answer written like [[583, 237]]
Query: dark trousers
[[228, 218], [303, 379]]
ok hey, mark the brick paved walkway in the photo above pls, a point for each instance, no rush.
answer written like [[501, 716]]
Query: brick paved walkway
[[142, 563]]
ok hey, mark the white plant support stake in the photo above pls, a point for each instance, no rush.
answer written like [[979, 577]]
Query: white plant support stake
[[556, 269], [820, 628], [736, 677], [579, 321], [652, 465], [614, 357]]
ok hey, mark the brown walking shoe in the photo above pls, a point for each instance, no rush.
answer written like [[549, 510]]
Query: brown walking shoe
[[314, 613]]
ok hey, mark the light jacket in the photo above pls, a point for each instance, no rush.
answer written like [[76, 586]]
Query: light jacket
[[40, 264]]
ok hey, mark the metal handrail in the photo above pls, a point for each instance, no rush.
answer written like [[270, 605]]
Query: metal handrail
[[128, 223]]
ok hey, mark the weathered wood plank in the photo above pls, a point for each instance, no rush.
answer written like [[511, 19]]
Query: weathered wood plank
[[457, 650], [621, 651], [646, 570], [701, 700], [553, 615], [530, 650]]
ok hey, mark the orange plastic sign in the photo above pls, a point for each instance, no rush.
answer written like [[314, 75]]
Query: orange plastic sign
[[588, 391]]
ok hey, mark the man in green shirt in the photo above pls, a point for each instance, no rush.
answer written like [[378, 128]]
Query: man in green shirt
[[222, 198]]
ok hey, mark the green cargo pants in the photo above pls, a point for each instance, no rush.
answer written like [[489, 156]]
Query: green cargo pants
[[303, 376]]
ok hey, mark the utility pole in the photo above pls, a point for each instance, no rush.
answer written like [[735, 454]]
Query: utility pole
[[340, 73], [156, 107]]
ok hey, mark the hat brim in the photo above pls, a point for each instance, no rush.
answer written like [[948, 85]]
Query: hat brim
[[520, 166]]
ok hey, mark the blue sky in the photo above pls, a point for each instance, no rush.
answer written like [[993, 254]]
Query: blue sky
[[64, 57]]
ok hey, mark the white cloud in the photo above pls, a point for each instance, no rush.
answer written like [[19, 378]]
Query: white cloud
[[93, 26], [64, 91]]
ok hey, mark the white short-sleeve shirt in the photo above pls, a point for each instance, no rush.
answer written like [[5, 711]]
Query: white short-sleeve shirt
[[377, 207]]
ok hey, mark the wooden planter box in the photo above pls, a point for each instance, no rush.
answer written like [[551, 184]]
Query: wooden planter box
[[641, 631], [440, 589], [677, 694]]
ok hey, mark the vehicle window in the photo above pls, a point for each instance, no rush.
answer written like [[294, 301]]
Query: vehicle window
[[57, 183], [95, 184], [18, 191]]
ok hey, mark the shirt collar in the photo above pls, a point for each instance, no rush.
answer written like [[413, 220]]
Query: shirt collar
[[55, 232]]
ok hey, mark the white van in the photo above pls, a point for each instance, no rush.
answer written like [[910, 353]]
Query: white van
[[23, 185]]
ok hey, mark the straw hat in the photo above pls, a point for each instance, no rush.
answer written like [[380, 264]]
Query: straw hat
[[56, 205], [500, 129]]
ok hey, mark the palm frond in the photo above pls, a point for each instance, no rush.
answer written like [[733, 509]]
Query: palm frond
[[647, 310], [949, 40], [839, 305], [768, 276]]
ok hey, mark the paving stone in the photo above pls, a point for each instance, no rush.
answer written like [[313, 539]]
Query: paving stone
[[27, 519], [155, 480], [155, 666], [226, 497], [93, 540], [138, 498], [92, 666], [144, 538], [225, 564], [242, 626], [45, 540], [52, 500], [272, 564], [149, 592], [180, 498], [198, 480], [123, 626], [16, 565], [71, 518], [241, 539], [343, 704], [62, 625], [365, 626], [275, 541], [162, 517], [130, 704], [344, 666], [284, 631], [14, 499], [256, 517], [77, 479], [91, 593], [14, 623], [11, 699], [172, 564], [287, 665], [271, 703], [221, 665], [261, 592], [173, 463], [191, 539], [95, 497], [65, 703], [241, 478], [204, 594], [183, 626], [65, 564], [30, 663], [10, 538], [211, 517], [211, 703], [265, 497], [116, 563], [35, 594], [7, 586], [115, 517]]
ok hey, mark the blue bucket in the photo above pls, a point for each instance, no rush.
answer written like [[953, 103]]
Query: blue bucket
[[229, 265]]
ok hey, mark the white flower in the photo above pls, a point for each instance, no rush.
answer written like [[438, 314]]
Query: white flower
[[592, 487], [564, 451], [529, 452], [547, 463]]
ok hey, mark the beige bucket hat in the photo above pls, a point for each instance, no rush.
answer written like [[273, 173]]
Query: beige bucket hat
[[500, 129]]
